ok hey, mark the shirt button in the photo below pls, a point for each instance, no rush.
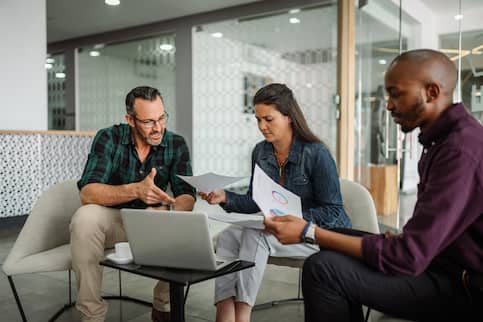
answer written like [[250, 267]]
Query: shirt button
[[141, 172], [425, 151], [433, 143]]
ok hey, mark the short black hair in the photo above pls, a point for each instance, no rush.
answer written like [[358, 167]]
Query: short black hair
[[144, 92]]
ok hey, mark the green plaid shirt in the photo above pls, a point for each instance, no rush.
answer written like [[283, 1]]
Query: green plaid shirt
[[113, 160]]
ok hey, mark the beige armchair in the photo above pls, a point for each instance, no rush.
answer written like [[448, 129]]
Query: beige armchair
[[360, 208], [43, 244]]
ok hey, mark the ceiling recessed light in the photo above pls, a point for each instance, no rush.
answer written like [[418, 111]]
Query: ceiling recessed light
[[458, 17], [59, 75], [382, 62], [166, 47], [217, 34], [112, 2], [94, 53], [294, 11], [294, 20], [50, 60], [48, 66]]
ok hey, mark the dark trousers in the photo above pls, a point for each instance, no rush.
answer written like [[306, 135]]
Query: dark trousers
[[336, 286]]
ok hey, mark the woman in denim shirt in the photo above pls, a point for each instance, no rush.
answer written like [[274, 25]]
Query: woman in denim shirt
[[295, 158]]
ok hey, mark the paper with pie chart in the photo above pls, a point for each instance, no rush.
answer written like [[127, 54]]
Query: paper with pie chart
[[272, 198]]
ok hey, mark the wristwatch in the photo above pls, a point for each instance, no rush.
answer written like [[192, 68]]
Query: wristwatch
[[308, 235]]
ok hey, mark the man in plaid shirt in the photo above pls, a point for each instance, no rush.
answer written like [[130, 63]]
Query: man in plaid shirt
[[129, 166]]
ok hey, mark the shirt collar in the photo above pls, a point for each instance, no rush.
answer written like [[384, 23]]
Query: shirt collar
[[442, 126]]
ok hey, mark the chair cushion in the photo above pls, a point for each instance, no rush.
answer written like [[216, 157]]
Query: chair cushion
[[55, 259]]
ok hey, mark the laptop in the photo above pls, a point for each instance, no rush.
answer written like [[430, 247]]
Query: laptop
[[168, 238]]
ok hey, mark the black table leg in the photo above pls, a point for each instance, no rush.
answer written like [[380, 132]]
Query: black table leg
[[176, 297]]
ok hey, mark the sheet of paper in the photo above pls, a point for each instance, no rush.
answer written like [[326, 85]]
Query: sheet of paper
[[272, 198], [209, 181], [245, 220]]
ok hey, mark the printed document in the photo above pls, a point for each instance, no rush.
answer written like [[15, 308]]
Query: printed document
[[246, 220], [209, 182], [272, 198]]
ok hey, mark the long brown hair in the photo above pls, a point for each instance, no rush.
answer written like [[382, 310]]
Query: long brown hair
[[282, 97]]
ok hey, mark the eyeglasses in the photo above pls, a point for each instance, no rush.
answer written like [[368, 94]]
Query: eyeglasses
[[149, 123]]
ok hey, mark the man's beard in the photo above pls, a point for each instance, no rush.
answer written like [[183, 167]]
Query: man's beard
[[418, 109], [146, 138]]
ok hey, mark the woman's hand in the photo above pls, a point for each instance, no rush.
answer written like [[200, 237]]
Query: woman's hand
[[214, 197]]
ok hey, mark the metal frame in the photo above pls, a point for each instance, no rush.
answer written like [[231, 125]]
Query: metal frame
[[70, 304], [270, 304]]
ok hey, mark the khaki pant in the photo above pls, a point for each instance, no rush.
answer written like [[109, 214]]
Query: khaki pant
[[94, 228]]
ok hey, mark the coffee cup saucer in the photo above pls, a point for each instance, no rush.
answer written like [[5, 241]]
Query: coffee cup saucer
[[119, 260]]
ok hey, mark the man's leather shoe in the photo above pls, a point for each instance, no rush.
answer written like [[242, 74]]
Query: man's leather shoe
[[158, 316]]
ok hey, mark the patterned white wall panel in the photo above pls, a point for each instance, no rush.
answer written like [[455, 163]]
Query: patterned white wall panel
[[30, 163], [62, 157], [20, 172], [223, 135]]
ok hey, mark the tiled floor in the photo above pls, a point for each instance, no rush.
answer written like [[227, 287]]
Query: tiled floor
[[43, 294]]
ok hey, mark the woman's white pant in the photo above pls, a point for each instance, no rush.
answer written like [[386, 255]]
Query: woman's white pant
[[255, 246]]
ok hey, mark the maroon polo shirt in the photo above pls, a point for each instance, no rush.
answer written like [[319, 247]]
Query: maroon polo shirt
[[447, 223]]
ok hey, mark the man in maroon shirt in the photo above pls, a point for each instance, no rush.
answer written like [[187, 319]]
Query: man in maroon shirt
[[427, 272]]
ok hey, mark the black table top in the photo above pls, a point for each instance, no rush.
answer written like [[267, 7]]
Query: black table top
[[176, 275]]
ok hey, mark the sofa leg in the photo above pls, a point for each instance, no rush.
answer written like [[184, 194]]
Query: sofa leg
[[368, 312], [67, 306], [60, 311], [71, 303], [70, 287], [17, 299]]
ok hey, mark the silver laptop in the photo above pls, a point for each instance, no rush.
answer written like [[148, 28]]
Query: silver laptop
[[179, 239]]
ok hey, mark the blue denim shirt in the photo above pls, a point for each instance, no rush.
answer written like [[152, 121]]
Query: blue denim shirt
[[310, 173]]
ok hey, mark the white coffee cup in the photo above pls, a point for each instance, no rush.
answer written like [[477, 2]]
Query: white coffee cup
[[123, 250]]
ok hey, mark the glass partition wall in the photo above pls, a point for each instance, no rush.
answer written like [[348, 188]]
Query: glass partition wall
[[56, 102], [382, 32], [106, 73], [385, 159], [232, 59], [227, 61], [471, 71]]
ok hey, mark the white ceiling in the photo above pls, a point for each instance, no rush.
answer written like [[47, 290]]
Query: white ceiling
[[68, 19]]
